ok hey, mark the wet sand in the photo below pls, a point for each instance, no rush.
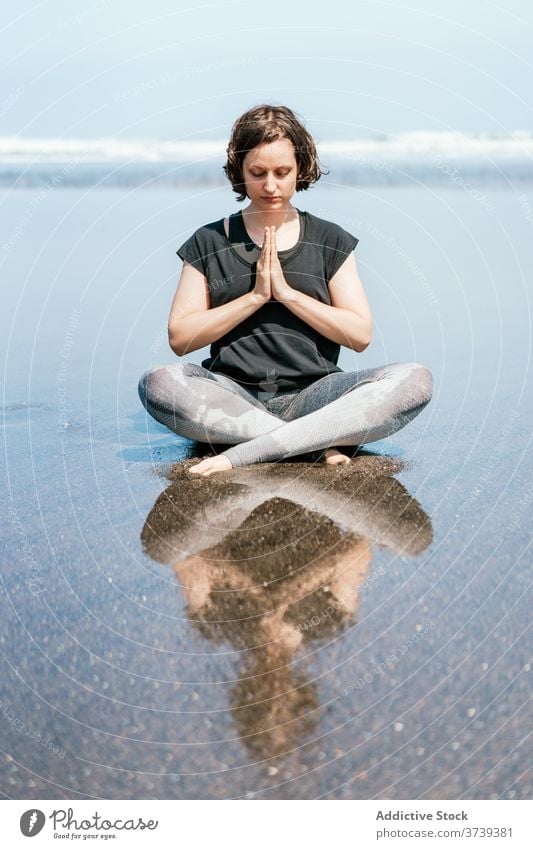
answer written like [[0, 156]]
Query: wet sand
[[289, 630]]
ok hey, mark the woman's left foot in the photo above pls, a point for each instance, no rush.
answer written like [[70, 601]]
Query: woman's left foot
[[335, 458], [210, 465]]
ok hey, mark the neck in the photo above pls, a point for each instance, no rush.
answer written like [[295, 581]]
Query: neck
[[259, 218]]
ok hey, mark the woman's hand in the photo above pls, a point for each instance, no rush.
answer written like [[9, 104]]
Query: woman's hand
[[281, 290], [269, 278], [262, 286]]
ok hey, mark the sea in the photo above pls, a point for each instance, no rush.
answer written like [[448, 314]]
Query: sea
[[115, 681]]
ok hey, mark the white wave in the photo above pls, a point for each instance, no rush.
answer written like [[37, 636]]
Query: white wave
[[446, 145], [41, 150]]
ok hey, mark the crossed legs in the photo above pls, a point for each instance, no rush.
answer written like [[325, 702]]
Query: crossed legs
[[343, 408]]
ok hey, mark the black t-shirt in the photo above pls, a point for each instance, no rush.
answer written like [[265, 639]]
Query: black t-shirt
[[272, 348]]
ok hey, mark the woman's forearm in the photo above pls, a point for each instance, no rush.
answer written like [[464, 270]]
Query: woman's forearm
[[198, 329], [340, 325]]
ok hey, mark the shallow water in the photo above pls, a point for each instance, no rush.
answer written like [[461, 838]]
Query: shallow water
[[290, 631]]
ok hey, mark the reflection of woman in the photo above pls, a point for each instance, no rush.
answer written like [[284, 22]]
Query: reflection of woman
[[275, 292], [273, 704], [265, 601], [274, 573]]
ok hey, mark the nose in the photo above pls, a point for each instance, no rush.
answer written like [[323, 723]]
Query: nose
[[270, 184]]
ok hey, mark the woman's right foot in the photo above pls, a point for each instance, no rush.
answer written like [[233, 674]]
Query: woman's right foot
[[335, 458], [210, 465]]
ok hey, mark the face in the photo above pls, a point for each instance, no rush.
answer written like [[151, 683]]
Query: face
[[270, 172]]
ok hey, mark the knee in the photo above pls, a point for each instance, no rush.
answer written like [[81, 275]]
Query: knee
[[141, 387], [421, 382], [164, 385], [147, 385], [154, 384]]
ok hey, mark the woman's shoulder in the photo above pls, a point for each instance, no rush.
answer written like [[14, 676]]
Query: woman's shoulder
[[327, 230], [204, 241], [209, 231]]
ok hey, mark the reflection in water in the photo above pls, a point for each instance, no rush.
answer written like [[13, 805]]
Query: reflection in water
[[274, 555]]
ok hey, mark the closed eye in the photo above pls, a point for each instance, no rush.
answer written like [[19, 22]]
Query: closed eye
[[262, 173]]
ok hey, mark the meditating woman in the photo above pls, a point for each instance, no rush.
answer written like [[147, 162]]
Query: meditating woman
[[275, 292]]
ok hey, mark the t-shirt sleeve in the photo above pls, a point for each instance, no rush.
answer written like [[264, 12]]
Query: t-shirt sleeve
[[339, 245], [194, 251]]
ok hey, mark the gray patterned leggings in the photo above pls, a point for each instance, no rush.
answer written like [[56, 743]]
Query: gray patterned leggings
[[340, 409]]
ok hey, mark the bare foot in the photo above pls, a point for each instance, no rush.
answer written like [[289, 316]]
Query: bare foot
[[210, 465], [335, 458]]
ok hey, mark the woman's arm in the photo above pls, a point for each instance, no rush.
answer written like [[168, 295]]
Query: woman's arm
[[347, 321], [193, 323]]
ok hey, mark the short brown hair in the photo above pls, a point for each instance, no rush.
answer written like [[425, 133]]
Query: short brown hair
[[262, 125]]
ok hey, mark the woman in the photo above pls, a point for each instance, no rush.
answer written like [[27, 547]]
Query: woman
[[275, 292]]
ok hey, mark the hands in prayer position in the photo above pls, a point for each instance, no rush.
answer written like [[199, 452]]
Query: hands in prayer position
[[269, 280]]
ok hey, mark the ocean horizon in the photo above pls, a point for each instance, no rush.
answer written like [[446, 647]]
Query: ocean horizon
[[410, 158]]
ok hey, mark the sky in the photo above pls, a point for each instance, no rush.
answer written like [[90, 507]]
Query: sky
[[176, 69]]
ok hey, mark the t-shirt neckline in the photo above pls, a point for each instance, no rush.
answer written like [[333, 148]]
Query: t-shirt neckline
[[287, 252]]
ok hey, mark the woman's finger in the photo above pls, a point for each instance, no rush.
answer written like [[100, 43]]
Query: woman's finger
[[265, 250], [266, 245], [273, 246]]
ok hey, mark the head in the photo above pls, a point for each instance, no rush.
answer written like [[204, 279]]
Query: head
[[271, 154]]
